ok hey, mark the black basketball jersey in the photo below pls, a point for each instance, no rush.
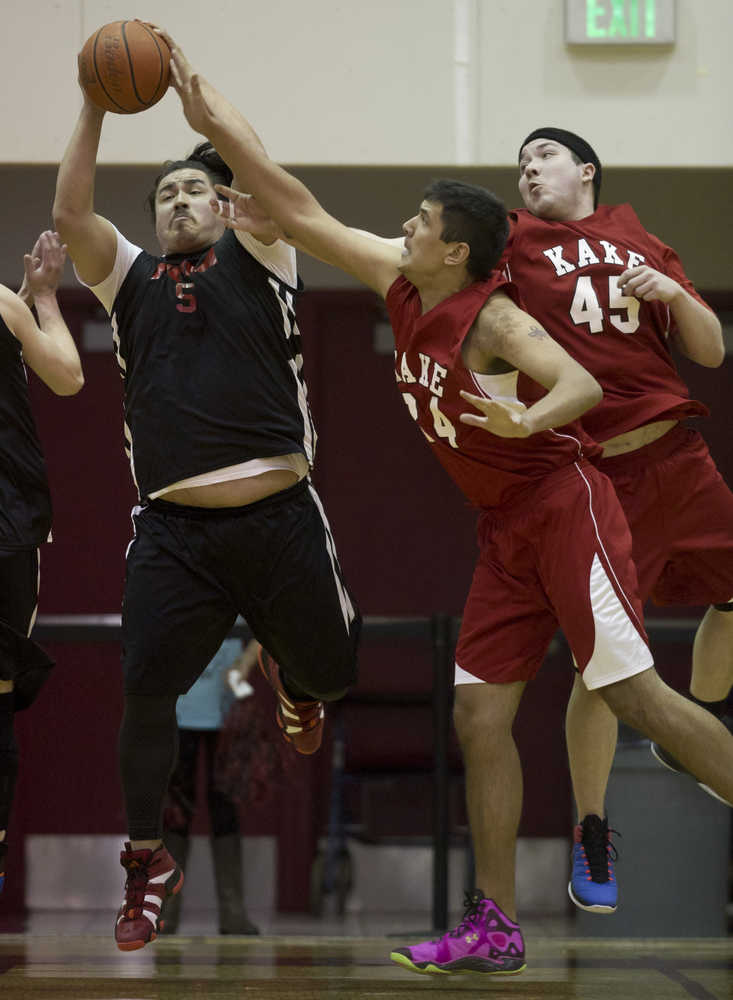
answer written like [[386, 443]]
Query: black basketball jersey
[[210, 353], [25, 500]]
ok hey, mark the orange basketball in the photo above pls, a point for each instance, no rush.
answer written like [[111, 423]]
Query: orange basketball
[[124, 67]]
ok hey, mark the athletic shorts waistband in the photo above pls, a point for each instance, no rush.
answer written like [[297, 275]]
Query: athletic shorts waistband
[[169, 509], [656, 451], [527, 497]]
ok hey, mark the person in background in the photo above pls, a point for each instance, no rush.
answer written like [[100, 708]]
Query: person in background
[[201, 714]]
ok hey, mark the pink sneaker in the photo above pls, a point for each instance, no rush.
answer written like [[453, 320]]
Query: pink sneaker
[[151, 877], [486, 941]]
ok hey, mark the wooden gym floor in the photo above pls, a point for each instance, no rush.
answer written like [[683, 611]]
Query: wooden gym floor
[[89, 967]]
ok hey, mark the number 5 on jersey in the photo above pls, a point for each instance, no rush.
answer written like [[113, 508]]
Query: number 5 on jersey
[[186, 300]]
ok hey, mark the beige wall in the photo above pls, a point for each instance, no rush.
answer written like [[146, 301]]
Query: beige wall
[[416, 88], [390, 82], [653, 106]]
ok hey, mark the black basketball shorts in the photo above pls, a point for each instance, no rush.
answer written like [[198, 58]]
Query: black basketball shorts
[[191, 571]]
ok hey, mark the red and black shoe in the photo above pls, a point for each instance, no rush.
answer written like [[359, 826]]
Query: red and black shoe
[[152, 876], [301, 722]]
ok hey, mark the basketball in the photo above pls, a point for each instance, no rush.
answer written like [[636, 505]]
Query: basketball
[[124, 67]]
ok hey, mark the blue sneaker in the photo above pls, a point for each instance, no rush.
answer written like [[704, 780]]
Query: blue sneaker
[[592, 884]]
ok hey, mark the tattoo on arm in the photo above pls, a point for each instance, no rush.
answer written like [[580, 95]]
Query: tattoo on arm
[[538, 332]]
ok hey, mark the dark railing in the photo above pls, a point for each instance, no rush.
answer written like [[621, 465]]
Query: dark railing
[[440, 631]]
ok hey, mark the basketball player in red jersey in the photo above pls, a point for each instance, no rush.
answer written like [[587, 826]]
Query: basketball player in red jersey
[[616, 297], [555, 548]]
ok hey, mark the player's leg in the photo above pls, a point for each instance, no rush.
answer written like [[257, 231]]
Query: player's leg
[[592, 583], [488, 940], [175, 616], [712, 655], [484, 715], [591, 728], [8, 767], [301, 611], [712, 658], [698, 512], [591, 733], [505, 633], [315, 619], [694, 736], [712, 664], [712, 674], [24, 668]]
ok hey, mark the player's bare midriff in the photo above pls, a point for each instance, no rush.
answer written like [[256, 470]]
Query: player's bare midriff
[[235, 492], [637, 438]]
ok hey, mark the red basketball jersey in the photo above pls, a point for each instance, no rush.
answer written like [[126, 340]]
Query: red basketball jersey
[[567, 274], [430, 373]]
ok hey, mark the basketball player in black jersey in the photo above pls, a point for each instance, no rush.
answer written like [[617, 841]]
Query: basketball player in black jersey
[[220, 441], [48, 348]]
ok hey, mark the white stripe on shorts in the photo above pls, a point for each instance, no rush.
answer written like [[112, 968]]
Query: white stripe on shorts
[[347, 608], [619, 651], [32, 622], [463, 677], [629, 605]]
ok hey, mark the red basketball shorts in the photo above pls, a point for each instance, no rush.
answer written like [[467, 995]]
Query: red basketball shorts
[[680, 512], [559, 558]]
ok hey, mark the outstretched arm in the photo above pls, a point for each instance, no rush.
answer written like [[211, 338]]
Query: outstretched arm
[[91, 239], [242, 212], [280, 195], [48, 347], [505, 333]]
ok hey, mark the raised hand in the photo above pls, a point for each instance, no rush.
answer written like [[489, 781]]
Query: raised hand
[[189, 85], [497, 418], [243, 212], [43, 266]]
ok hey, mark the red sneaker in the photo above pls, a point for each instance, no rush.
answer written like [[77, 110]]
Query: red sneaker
[[151, 877], [301, 722]]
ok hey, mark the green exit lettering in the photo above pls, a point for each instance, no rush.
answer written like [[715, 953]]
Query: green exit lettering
[[621, 19]]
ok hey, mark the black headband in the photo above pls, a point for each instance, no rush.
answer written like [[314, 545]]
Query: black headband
[[573, 142]]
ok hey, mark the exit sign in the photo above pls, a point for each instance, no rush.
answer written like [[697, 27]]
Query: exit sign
[[619, 22]]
